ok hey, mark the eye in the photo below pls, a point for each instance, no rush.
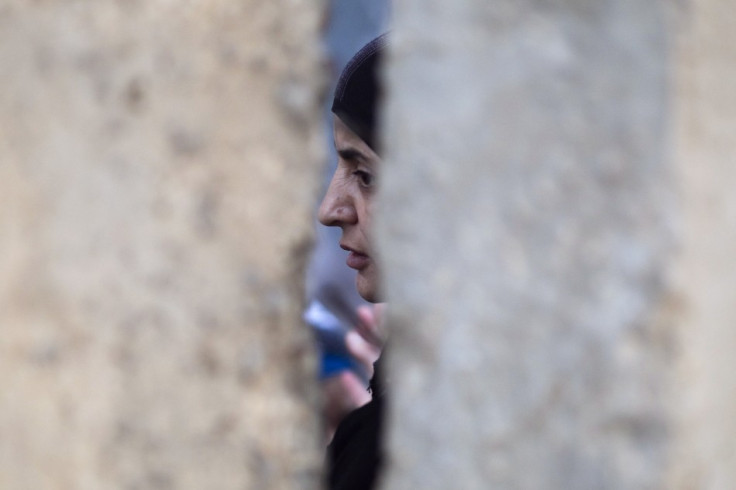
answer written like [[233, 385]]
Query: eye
[[365, 178]]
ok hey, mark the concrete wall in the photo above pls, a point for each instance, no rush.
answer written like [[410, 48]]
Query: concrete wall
[[705, 157], [557, 226], [551, 168], [158, 172]]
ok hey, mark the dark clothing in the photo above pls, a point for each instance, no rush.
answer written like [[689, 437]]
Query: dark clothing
[[355, 455]]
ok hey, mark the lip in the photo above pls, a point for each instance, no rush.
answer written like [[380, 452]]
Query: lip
[[356, 260]]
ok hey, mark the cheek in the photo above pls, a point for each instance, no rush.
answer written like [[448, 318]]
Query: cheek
[[366, 215]]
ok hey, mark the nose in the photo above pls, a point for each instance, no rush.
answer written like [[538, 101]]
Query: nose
[[338, 207]]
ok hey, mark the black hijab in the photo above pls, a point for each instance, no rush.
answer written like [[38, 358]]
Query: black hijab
[[359, 91]]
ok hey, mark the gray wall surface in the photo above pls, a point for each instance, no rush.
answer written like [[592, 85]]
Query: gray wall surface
[[528, 227]]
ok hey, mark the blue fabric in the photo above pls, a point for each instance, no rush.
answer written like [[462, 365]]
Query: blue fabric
[[334, 364]]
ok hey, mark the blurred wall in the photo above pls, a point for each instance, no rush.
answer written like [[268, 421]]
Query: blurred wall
[[705, 158], [558, 223], [557, 226], [158, 172]]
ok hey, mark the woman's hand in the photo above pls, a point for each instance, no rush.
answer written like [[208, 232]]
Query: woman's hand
[[344, 392], [366, 341]]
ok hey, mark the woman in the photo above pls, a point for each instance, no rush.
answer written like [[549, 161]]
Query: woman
[[354, 454]]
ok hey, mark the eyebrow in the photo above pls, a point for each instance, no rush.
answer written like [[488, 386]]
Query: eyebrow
[[351, 154]]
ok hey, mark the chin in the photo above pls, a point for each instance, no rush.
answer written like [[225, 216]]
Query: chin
[[370, 296], [368, 288]]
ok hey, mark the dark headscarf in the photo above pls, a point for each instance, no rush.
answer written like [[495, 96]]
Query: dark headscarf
[[359, 91]]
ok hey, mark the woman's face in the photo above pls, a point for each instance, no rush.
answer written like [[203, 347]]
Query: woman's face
[[349, 205]]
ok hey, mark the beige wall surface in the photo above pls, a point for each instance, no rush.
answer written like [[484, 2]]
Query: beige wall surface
[[705, 155], [158, 170]]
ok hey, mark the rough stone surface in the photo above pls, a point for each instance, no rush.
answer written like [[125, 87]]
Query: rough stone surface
[[158, 171], [705, 456], [527, 224]]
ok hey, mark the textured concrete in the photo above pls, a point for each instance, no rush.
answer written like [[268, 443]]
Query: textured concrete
[[705, 456], [527, 228], [158, 171]]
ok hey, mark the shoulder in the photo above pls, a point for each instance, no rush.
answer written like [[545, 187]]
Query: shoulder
[[355, 454]]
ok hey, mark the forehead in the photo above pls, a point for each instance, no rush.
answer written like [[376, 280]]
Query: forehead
[[346, 139]]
